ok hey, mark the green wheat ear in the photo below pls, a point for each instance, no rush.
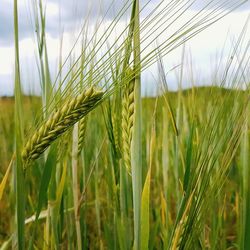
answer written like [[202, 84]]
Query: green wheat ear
[[128, 121], [60, 121], [81, 131]]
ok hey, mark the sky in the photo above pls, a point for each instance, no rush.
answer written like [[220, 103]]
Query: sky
[[65, 17]]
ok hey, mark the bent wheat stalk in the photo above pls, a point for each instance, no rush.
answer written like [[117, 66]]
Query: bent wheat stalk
[[64, 118]]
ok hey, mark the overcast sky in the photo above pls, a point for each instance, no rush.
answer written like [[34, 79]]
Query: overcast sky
[[203, 48]]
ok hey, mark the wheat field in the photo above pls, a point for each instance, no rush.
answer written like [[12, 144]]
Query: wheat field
[[91, 163]]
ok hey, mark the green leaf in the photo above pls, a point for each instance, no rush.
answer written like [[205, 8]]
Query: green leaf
[[5, 178], [188, 160], [50, 162], [145, 212]]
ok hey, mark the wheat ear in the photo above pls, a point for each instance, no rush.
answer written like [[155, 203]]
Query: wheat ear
[[64, 118], [116, 135], [127, 122], [82, 130]]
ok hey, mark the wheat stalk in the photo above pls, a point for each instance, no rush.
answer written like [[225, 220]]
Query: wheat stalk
[[127, 122], [64, 118]]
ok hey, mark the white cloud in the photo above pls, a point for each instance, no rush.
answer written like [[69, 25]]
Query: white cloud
[[52, 9], [203, 47], [6, 60]]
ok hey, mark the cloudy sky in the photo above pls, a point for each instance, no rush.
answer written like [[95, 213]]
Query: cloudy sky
[[66, 17]]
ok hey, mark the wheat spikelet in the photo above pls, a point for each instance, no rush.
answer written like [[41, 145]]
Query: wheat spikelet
[[127, 122], [59, 122], [82, 129]]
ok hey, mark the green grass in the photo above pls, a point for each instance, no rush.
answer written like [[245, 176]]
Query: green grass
[[100, 216]]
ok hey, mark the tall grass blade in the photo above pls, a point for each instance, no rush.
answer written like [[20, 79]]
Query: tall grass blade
[[5, 178], [44, 185], [136, 151], [20, 191], [145, 201]]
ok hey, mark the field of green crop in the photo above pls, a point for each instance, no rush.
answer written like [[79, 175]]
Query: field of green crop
[[91, 164]]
